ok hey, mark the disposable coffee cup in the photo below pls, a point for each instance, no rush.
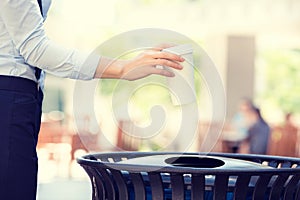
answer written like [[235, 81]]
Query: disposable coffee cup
[[182, 86]]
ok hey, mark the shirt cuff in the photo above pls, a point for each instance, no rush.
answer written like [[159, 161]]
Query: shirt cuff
[[87, 68]]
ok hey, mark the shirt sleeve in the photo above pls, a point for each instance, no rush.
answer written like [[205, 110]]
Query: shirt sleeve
[[24, 23]]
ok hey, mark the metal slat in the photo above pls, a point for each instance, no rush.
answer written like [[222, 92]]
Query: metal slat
[[261, 187], [278, 187], [291, 187], [220, 188], [198, 187], [108, 183], [156, 186], [177, 184], [139, 186], [121, 185], [241, 187]]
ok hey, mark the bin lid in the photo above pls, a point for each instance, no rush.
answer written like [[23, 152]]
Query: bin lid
[[193, 161]]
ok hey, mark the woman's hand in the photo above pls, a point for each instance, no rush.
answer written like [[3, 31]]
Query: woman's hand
[[139, 67]]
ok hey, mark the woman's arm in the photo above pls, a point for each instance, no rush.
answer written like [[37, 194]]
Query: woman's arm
[[141, 66], [24, 24]]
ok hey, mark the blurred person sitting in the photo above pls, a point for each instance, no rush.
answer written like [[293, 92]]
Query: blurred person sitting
[[238, 128], [240, 122], [258, 132]]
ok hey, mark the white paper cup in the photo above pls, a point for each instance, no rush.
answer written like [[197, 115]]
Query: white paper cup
[[182, 86]]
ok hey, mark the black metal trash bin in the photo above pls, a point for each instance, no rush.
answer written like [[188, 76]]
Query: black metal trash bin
[[195, 176]]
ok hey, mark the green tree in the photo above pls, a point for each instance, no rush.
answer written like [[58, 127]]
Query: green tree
[[282, 79]]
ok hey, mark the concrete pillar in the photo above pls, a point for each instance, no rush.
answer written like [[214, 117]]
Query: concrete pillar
[[240, 70]]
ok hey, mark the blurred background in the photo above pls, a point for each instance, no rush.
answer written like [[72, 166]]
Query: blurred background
[[255, 46]]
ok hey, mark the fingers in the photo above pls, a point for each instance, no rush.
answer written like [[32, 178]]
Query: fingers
[[168, 59], [161, 58], [141, 72], [162, 62], [145, 64], [157, 53], [163, 72], [166, 55], [168, 63], [169, 56]]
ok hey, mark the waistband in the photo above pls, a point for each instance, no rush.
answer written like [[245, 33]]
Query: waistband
[[18, 84]]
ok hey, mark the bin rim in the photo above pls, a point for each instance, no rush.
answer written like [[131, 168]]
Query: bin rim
[[92, 160]]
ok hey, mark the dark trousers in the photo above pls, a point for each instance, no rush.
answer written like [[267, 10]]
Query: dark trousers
[[20, 117]]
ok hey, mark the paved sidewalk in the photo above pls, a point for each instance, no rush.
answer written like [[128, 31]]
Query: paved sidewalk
[[65, 189]]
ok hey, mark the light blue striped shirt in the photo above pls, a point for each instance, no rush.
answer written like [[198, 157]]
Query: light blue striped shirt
[[24, 45]]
